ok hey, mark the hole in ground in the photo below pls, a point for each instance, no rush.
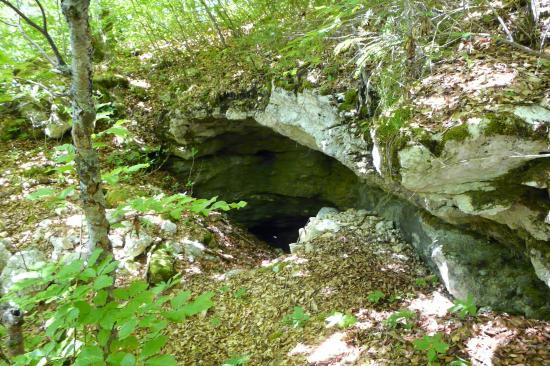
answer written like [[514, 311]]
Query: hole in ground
[[279, 232], [284, 183]]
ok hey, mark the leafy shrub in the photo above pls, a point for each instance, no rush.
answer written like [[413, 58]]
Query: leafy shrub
[[88, 321], [297, 318], [375, 296], [403, 318], [434, 346], [464, 307], [237, 360], [341, 320]]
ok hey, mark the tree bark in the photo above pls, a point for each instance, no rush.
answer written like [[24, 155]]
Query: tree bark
[[214, 22], [12, 318], [87, 163]]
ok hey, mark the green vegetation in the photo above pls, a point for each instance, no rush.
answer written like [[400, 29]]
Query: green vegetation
[[89, 320], [375, 296], [158, 62], [341, 320], [298, 317], [404, 318], [433, 346], [464, 307]]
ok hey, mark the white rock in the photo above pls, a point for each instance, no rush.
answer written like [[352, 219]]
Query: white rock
[[541, 266], [535, 115], [326, 212], [168, 227], [135, 246], [76, 221], [192, 248], [312, 120], [4, 253], [62, 243], [55, 127], [316, 228], [20, 266]]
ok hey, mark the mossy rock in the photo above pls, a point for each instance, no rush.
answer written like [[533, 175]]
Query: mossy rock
[[110, 81], [508, 124], [350, 101], [161, 267], [11, 129]]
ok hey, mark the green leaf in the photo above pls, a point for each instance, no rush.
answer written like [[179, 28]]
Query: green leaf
[[41, 193], [89, 356], [175, 315], [375, 296], [202, 303], [128, 360], [342, 320], [103, 281], [153, 346], [127, 328], [180, 299], [163, 360], [92, 259], [100, 298], [237, 360]]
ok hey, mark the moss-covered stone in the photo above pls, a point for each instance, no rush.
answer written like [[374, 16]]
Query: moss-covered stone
[[350, 101], [506, 123], [161, 267], [12, 128], [109, 81], [458, 133]]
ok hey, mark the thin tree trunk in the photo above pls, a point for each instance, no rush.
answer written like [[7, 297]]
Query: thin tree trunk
[[87, 163], [12, 318], [214, 22]]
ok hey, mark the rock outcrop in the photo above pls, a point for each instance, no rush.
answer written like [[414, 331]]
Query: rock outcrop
[[472, 200]]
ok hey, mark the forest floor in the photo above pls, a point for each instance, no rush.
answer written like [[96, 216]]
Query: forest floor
[[328, 306]]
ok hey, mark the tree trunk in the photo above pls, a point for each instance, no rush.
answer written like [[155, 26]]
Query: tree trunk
[[12, 318], [87, 163]]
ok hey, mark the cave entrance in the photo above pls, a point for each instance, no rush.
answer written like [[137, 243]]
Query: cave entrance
[[284, 183]]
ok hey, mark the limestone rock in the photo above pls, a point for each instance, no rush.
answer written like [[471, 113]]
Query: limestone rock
[[326, 212], [189, 247], [315, 228], [541, 266], [56, 126], [135, 245], [20, 266], [4, 253]]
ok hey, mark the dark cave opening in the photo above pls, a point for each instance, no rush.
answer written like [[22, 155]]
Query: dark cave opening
[[283, 183], [279, 232]]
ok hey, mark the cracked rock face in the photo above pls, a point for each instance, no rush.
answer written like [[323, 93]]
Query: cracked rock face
[[489, 182]]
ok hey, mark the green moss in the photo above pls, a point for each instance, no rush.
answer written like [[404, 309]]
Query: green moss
[[161, 268], [110, 81], [425, 138], [388, 127], [508, 124], [350, 101], [11, 129], [458, 133]]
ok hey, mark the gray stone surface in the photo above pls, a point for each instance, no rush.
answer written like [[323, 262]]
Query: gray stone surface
[[21, 266]]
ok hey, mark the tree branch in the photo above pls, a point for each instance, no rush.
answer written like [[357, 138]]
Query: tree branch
[[44, 21], [34, 44], [61, 65]]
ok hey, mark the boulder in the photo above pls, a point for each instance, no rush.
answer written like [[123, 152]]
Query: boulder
[[161, 266], [21, 266]]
